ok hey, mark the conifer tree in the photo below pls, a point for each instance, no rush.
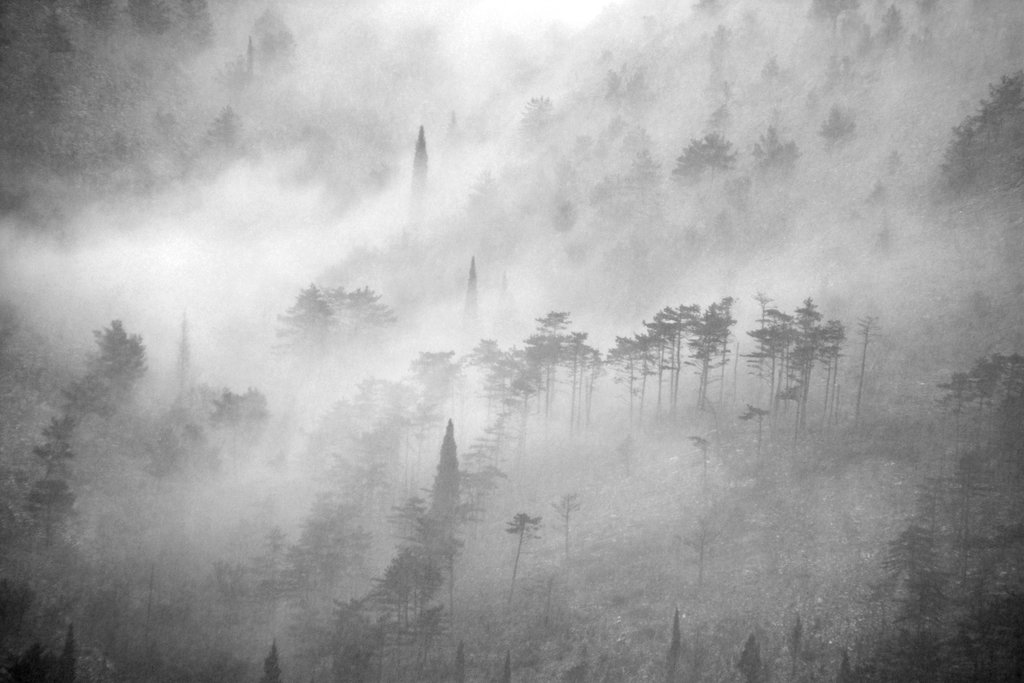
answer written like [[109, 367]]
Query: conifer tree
[[470, 312], [419, 165], [838, 126], [445, 500], [523, 526], [271, 668]]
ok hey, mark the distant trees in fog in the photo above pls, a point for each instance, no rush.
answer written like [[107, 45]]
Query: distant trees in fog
[[771, 153], [322, 319], [838, 126], [984, 152], [709, 154]]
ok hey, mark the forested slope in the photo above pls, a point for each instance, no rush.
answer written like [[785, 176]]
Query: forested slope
[[679, 346]]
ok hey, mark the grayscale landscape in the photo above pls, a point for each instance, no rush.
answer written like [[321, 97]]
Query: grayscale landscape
[[447, 341]]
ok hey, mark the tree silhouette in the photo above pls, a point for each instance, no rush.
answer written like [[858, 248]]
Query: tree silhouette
[[50, 499], [271, 668], [865, 327], [754, 413], [771, 154], [523, 526], [307, 326], [711, 153], [470, 309], [537, 118], [838, 127], [419, 165], [112, 372]]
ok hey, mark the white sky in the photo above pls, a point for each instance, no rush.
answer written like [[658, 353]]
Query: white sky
[[572, 13]]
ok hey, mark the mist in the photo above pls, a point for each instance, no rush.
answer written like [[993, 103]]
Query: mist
[[453, 341]]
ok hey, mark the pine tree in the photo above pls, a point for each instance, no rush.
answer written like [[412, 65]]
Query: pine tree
[[674, 650], [523, 526], [419, 165], [711, 153], [271, 668], [308, 325], [838, 126], [470, 312]]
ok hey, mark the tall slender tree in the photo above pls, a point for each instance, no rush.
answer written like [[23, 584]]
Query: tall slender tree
[[419, 165], [523, 526], [470, 311], [865, 327]]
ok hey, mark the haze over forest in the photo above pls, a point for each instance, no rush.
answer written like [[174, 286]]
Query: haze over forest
[[446, 341]]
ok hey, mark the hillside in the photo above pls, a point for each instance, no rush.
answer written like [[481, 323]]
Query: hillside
[[405, 342]]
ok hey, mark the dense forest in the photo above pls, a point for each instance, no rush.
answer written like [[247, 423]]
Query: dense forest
[[362, 342]]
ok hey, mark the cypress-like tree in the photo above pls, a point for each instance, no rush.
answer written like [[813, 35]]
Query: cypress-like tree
[[471, 299], [674, 650], [271, 669], [445, 500], [419, 164]]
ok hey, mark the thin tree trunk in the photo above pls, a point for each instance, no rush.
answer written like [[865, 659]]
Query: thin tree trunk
[[515, 568]]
